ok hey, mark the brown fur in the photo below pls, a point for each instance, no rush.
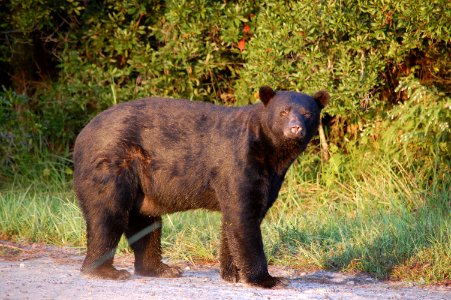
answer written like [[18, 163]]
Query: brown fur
[[140, 160]]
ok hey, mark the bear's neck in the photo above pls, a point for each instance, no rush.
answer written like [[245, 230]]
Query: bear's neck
[[277, 155]]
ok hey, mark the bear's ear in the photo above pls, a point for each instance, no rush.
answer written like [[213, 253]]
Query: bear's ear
[[321, 98], [265, 94]]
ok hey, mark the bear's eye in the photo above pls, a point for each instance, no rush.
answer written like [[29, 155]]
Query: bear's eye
[[284, 112], [307, 114]]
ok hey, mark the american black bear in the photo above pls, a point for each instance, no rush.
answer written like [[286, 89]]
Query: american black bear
[[142, 159]]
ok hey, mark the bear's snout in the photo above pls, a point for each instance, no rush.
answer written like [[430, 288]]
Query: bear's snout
[[294, 130]]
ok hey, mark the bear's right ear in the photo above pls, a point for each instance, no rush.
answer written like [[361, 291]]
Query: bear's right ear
[[265, 94]]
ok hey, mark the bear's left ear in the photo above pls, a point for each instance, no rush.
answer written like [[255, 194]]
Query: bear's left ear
[[321, 98], [265, 94]]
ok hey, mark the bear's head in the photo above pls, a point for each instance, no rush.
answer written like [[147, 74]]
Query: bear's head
[[290, 116]]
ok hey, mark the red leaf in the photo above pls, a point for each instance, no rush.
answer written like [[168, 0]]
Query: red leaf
[[241, 45]]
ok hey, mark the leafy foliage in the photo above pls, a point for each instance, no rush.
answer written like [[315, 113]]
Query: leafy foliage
[[386, 65], [356, 49]]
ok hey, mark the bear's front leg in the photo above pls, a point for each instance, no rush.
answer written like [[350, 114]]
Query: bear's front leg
[[229, 271], [244, 241]]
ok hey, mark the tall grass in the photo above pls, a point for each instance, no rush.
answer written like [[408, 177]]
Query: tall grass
[[375, 217], [382, 223], [39, 214]]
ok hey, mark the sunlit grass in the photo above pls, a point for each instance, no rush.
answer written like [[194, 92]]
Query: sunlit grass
[[37, 214], [380, 220]]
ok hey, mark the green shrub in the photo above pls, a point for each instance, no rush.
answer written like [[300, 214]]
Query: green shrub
[[105, 52], [355, 49], [418, 132], [178, 49]]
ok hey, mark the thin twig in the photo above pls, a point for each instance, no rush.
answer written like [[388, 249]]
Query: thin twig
[[14, 247]]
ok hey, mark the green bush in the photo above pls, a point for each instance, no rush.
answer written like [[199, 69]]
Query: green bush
[[130, 50], [114, 51], [109, 51], [385, 64], [356, 49]]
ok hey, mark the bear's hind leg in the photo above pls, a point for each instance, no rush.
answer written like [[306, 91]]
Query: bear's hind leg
[[144, 236], [104, 233]]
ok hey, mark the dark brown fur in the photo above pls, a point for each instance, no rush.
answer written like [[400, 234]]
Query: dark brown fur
[[142, 159]]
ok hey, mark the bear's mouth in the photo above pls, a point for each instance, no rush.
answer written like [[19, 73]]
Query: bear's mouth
[[294, 133]]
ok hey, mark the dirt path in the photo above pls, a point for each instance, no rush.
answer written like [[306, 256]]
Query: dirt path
[[43, 272]]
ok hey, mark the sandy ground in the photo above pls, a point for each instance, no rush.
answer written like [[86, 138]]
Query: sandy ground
[[43, 272]]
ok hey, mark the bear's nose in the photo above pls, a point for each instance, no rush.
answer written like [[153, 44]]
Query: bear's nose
[[295, 129]]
